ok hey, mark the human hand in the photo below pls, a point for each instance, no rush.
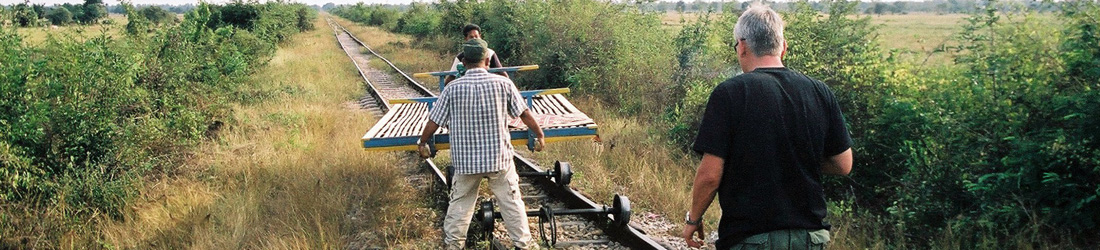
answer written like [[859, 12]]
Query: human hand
[[423, 149], [689, 232], [540, 143]]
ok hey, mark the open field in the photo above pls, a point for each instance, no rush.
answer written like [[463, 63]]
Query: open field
[[36, 35], [916, 36]]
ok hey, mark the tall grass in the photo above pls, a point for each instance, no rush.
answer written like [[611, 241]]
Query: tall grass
[[286, 173]]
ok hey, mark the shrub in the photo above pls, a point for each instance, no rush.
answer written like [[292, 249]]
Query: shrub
[[83, 121]]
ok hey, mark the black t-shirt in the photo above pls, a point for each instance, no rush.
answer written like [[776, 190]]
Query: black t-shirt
[[773, 126]]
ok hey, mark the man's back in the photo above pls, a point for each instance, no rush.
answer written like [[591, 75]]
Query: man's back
[[773, 126], [476, 108]]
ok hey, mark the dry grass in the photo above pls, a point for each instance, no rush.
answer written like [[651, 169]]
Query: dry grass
[[917, 36], [286, 173], [38, 35]]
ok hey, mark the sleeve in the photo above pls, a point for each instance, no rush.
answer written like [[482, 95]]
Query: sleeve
[[716, 128], [837, 138], [516, 103], [441, 113]]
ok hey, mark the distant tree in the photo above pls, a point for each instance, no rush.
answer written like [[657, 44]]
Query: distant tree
[[899, 7], [157, 15], [681, 6], [698, 5], [880, 8], [24, 15], [328, 6], [93, 11], [60, 16], [76, 10], [40, 9]]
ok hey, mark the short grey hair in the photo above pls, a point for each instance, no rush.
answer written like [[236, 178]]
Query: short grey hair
[[762, 27]]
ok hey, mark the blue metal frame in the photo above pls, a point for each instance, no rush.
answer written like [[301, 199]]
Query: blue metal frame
[[446, 138], [514, 135], [511, 71]]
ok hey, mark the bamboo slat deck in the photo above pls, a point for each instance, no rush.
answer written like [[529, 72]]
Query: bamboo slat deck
[[399, 128]]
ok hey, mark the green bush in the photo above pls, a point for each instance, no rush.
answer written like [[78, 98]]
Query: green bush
[[83, 121], [419, 21]]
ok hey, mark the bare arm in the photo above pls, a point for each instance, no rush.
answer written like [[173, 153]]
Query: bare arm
[[840, 164], [706, 184], [429, 129], [533, 126], [703, 190], [448, 79]]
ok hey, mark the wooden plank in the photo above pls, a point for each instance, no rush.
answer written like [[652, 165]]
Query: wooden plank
[[559, 100], [556, 106], [565, 103], [378, 126], [396, 114], [394, 125], [406, 122]]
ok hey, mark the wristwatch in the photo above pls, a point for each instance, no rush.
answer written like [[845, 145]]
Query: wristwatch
[[687, 220]]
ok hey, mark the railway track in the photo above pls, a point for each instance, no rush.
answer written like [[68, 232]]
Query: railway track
[[606, 230]]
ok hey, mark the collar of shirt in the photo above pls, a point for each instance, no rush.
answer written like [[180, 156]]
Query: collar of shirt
[[477, 70]]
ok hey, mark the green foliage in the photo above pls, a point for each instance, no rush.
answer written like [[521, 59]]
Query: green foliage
[[385, 18], [157, 15], [419, 20], [93, 11], [82, 120], [702, 57], [60, 16], [595, 47], [136, 23], [24, 15]]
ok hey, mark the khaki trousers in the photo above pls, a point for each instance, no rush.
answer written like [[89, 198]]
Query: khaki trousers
[[786, 239], [505, 187]]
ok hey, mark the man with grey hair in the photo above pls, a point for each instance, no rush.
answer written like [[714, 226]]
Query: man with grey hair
[[766, 137]]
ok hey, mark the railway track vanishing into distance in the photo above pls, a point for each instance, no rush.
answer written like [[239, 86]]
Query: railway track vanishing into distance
[[560, 216]]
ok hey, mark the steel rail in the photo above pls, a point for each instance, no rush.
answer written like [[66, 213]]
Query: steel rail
[[629, 236], [413, 83], [373, 90]]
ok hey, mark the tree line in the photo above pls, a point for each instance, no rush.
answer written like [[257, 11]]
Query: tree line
[[26, 14]]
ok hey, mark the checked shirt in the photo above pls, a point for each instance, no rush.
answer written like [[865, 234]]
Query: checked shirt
[[476, 109]]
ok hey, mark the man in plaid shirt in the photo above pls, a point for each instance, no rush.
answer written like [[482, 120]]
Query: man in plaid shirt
[[476, 109]]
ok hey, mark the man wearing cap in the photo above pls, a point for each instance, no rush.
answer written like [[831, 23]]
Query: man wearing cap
[[470, 32], [766, 137], [476, 109]]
